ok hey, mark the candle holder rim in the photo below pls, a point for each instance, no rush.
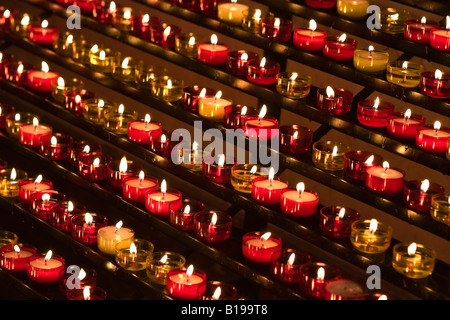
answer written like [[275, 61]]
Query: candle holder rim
[[340, 145], [431, 75], [134, 176], [410, 65], [27, 180], [298, 253], [41, 254], [368, 103], [396, 249], [124, 245], [273, 236], [209, 90], [335, 271], [401, 114], [335, 40], [97, 154], [287, 74], [58, 194], [94, 290], [294, 127], [197, 203], [349, 212], [223, 217], [22, 245], [387, 229], [228, 288], [414, 185], [170, 190], [307, 29], [5, 174], [270, 64], [67, 139], [377, 158], [430, 126]]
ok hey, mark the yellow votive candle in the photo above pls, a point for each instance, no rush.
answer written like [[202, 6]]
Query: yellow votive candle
[[231, 12], [404, 73], [9, 182], [440, 208], [213, 108], [329, 155], [370, 60], [352, 9], [370, 236], [160, 263], [413, 260], [109, 236]]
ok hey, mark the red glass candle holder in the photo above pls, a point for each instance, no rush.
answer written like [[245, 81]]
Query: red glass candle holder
[[43, 203], [299, 204], [29, 186], [419, 32], [357, 162], [30, 135], [92, 169], [431, 140], [276, 29], [5, 59], [440, 39], [183, 287], [160, 203], [84, 229], [66, 279], [215, 171], [42, 270], [86, 6], [102, 12], [63, 212], [321, 4], [13, 260], [238, 61], [227, 291], [404, 126], [263, 75], [139, 131], [17, 72], [163, 145], [121, 169], [370, 115], [93, 293], [286, 268], [313, 282], [295, 139], [260, 129], [141, 24], [336, 222], [196, 5], [337, 103], [81, 148], [191, 97], [433, 86], [212, 226], [344, 289], [43, 35], [384, 181], [183, 217], [261, 250], [7, 18], [267, 191], [235, 115], [212, 54], [417, 197], [57, 147], [339, 50], [134, 187], [5, 111], [76, 100], [308, 39], [164, 35], [42, 81]]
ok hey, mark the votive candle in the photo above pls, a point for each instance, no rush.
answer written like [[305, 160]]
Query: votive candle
[[413, 260], [370, 236]]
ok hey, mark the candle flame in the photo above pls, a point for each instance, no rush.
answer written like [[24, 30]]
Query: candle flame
[[53, 140], [141, 176], [82, 274], [295, 135], [163, 260], [187, 209], [312, 25], [425, 185], [383, 297], [438, 74], [48, 256], [334, 153], [163, 138], [147, 118], [213, 219], [271, 173], [253, 170], [86, 149], [146, 18], [373, 226], [342, 37], [94, 48], [6, 13], [112, 6], [169, 84], [87, 293], [244, 56], [69, 39], [192, 41], [423, 20], [16, 248], [190, 271], [88, 218], [123, 165], [195, 145], [300, 187], [320, 274], [202, 93], [244, 111], [77, 98], [412, 249], [119, 225], [20, 68], [25, 21], [218, 95], [385, 165], [448, 200], [233, 1], [96, 162], [371, 48], [102, 55], [376, 103], [407, 114], [293, 76], [276, 23], [257, 14], [121, 109], [45, 67], [447, 23], [38, 179], [341, 213], [44, 24], [291, 259], [133, 249], [125, 63], [17, 117], [127, 14], [35, 122], [101, 103], [369, 160], [13, 175], [163, 186], [70, 206], [330, 92], [217, 293], [265, 236], [221, 160], [262, 63], [61, 82], [167, 31], [214, 39], [437, 125], [262, 112], [394, 16]]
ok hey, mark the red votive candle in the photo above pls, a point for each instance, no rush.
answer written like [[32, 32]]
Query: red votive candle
[[120, 169], [300, 202], [215, 169], [334, 101], [42, 80], [374, 113], [218, 290], [186, 283], [45, 268], [344, 289], [268, 190], [433, 139], [263, 72], [212, 226], [259, 126], [295, 139], [336, 222], [261, 247], [43, 34], [235, 114], [191, 96], [440, 38], [7, 18], [419, 30], [417, 194], [103, 11], [18, 72], [139, 131], [384, 180], [43, 203], [213, 53], [80, 148], [309, 39], [183, 217], [63, 212], [238, 61], [435, 84], [66, 279], [163, 145], [14, 257], [339, 48], [357, 162], [404, 125], [314, 276], [29, 186], [161, 201], [134, 188], [84, 227], [76, 100], [57, 147], [5, 59], [86, 6], [5, 111], [276, 29], [141, 24], [164, 34], [286, 267], [321, 4], [31, 134], [87, 293], [94, 166]]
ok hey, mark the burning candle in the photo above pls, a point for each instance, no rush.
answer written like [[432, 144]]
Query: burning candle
[[370, 60], [339, 48], [295, 139], [293, 85], [191, 97], [45, 268], [404, 125], [404, 73], [440, 39], [384, 180], [352, 9], [82, 53], [329, 155], [344, 289], [260, 127], [300, 202], [121, 19], [433, 139], [185, 284], [242, 176], [276, 29], [125, 70], [87, 293], [251, 20], [133, 256], [13, 122], [413, 260], [9, 182], [86, 277], [419, 30], [213, 53], [31, 134], [217, 290], [168, 89], [440, 208], [101, 59], [314, 276], [183, 217], [140, 25], [18, 72], [5, 59], [43, 34], [216, 169], [119, 170], [103, 11], [268, 190], [334, 101], [134, 188], [66, 45], [374, 113], [212, 226], [28, 186], [235, 115], [357, 163], [309, 39], [186, 44], [75, 101], [286, 267], [82, 147], [63, 212], [231, 12], [192, 158], [140, 131], [393, 20], [84, 227], [160, 263], [21, 25], [370, 236], [7, 237], [164, 34], [261, 247], [94, 110], [212, 107], [5, 111], [109, 236], [117, 120], [163, 145], [238, 61], [14, 257], [62, 87], [93, 166], [263, 73], [336, 221], [159, 202], [57, 147], [417, 194], [436, 85], [42, 80]]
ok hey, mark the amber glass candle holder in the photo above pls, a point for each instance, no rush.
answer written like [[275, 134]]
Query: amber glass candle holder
[[371, 238], [286, 267], [190, 158], [102, 60], [293, 85], [336, 221], [295, 139], [186, 43], [126, 69], [62, 87], [404, 73], [160, 263], [183, 217], [95, 110], [121, 18], [167, 88], [13, 122], [418, 198], [66, 44], [393, 20], [440, 208], [133, 259], [9, 182], [329, 155], [82, 54], [251, 20], [6, 110], [242, 176], [7, 238], [414, 263], [21, 23], [117, 121], [147, 75]]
